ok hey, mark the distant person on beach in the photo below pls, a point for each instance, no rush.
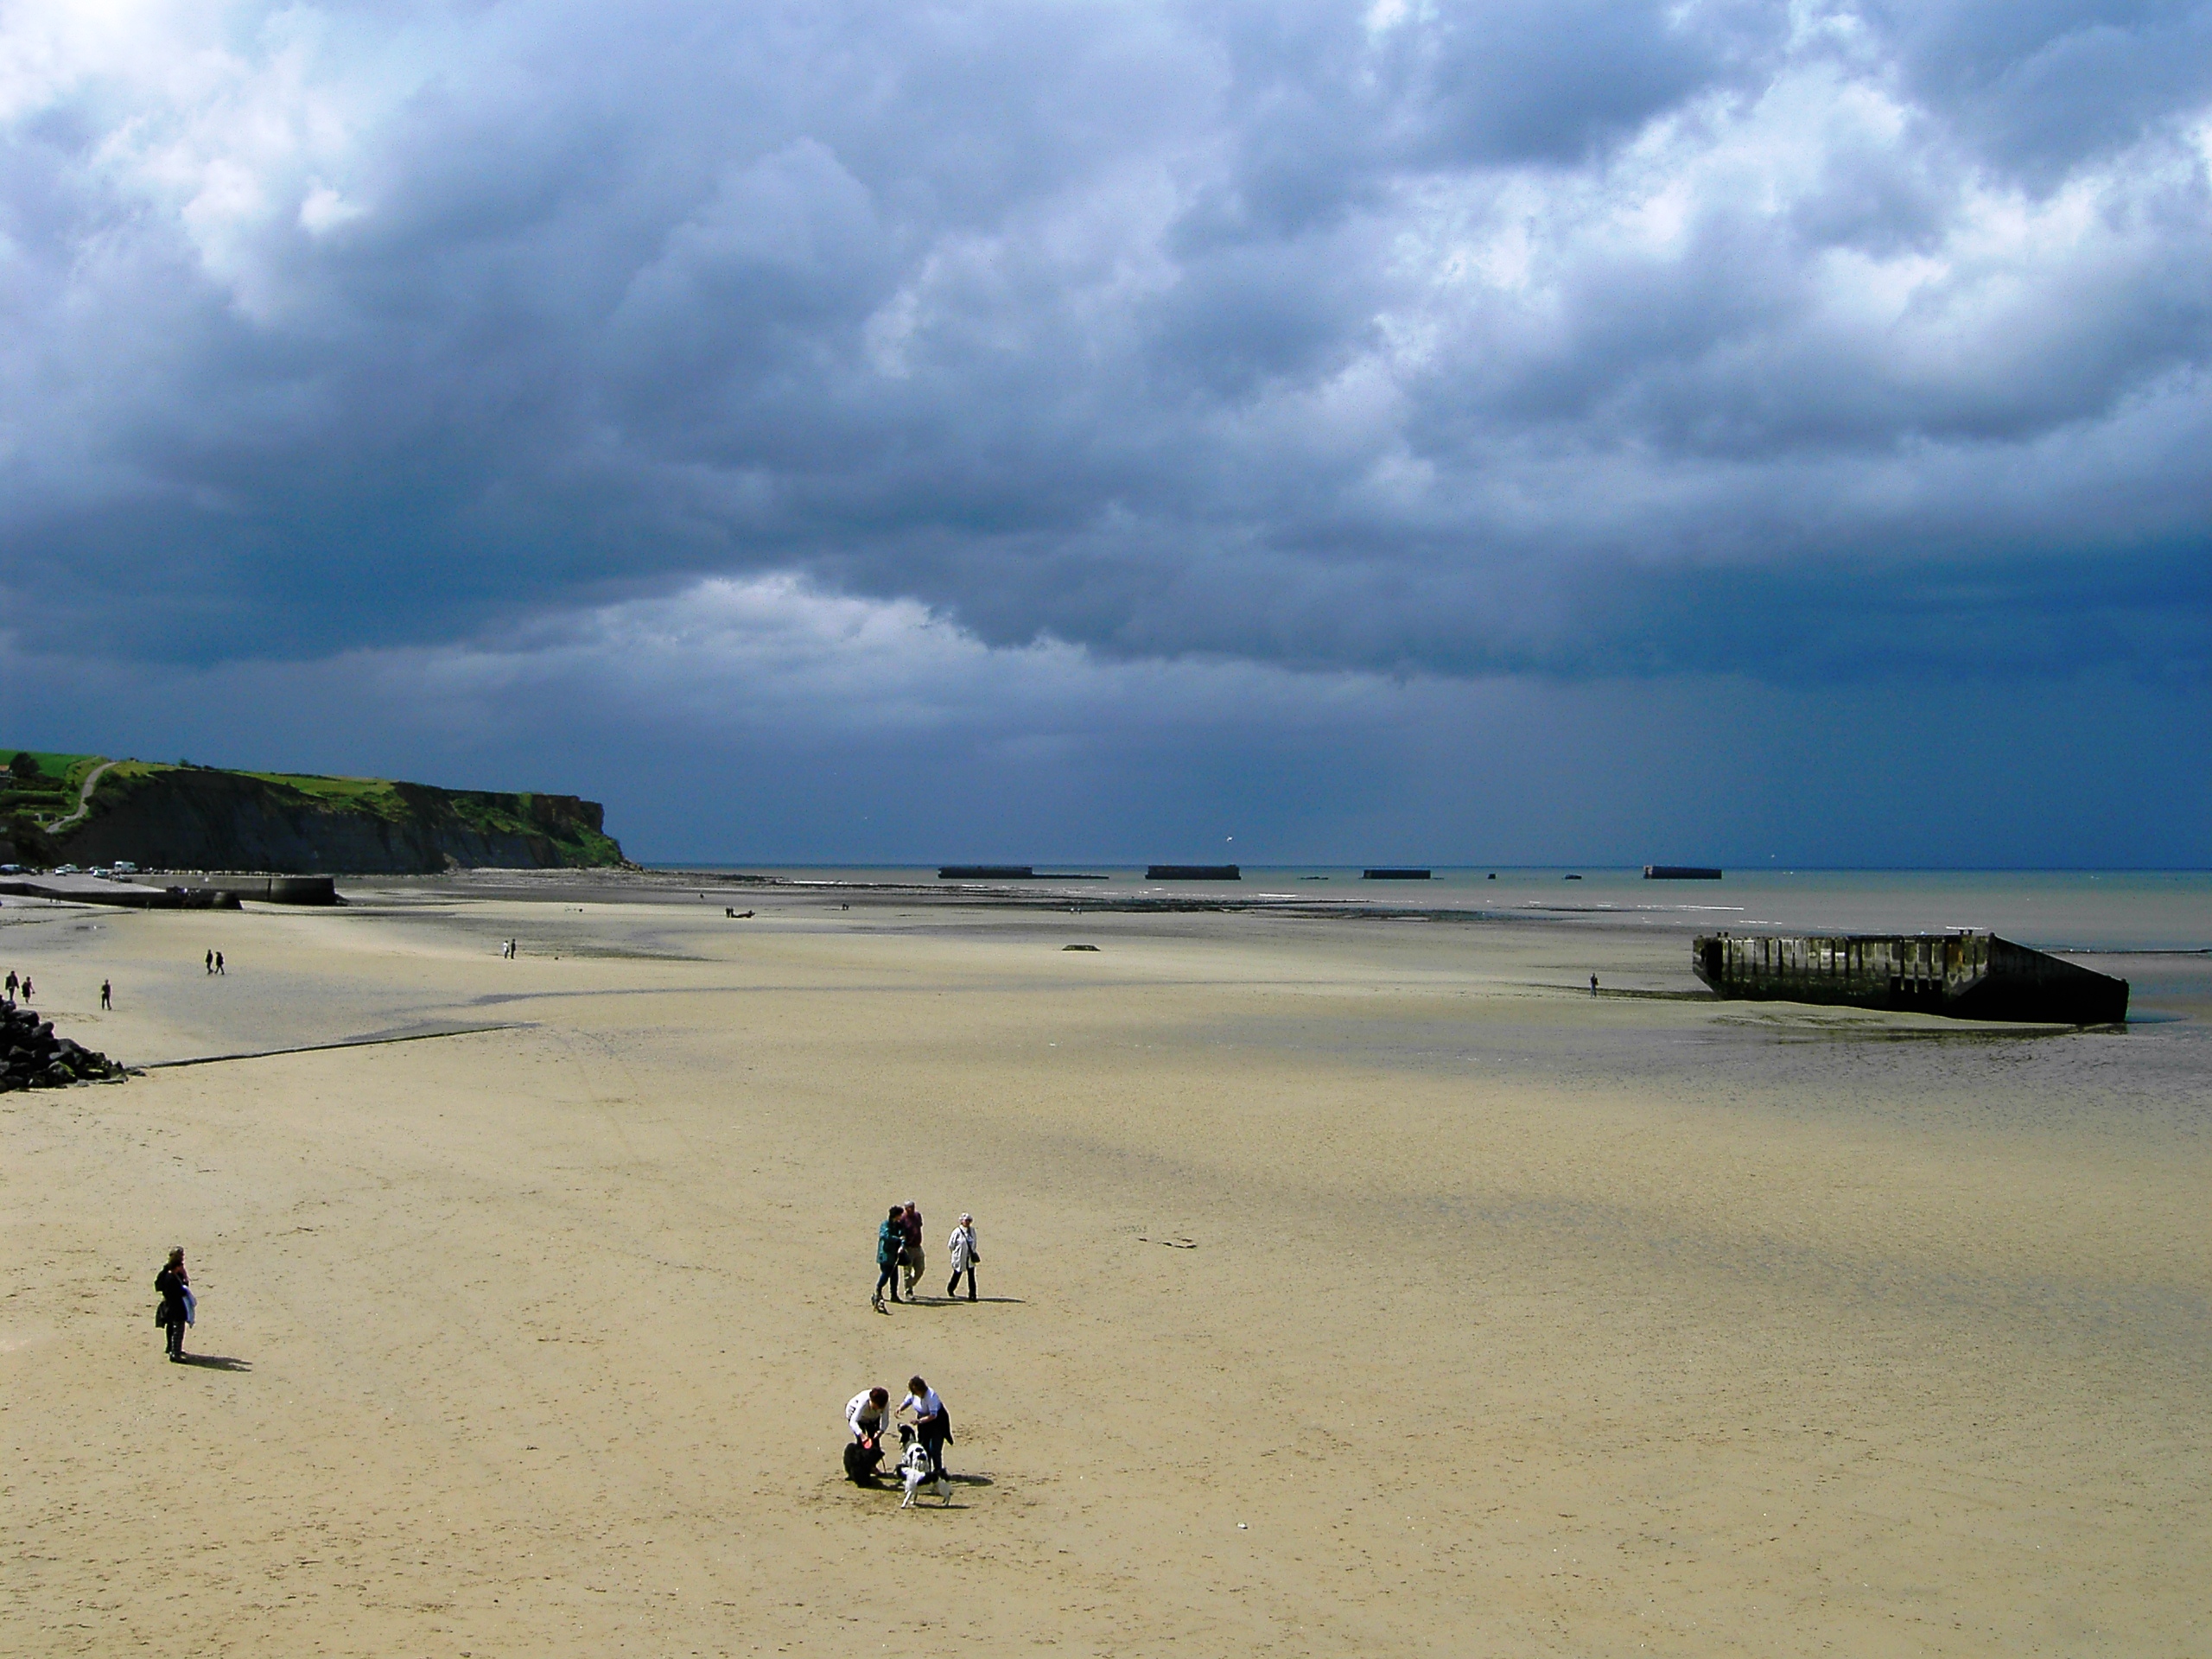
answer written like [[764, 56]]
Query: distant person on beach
[[932, 1423], [11, 984], [219, 962], [175, 1310], [1593, 984], [961, 1247], [890, 1238], [107, 995], [911, 1256], [211, 962], [27, 991]]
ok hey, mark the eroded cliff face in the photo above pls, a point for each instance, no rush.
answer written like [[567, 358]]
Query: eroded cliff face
[[199, 819], [22, 841]]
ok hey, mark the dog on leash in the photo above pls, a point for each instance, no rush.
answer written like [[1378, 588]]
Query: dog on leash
[[917, 1472]]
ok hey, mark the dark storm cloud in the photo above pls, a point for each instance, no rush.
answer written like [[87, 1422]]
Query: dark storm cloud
[[1574, 339]]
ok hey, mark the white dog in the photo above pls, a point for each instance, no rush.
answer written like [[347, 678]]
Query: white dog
[[915, 1470]]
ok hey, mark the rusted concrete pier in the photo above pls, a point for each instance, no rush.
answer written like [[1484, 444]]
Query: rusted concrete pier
[[1967, 976]]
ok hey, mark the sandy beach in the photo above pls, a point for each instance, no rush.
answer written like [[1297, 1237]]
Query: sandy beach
[[1348, 1287]]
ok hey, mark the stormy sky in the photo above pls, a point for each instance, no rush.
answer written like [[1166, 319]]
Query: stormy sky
[[1505, 432]]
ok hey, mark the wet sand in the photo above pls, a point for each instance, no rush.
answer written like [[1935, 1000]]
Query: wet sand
[[1349, 1286]]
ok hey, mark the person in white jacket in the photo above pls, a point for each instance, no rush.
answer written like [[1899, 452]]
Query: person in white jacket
[[867, 1413], [961, 1248]]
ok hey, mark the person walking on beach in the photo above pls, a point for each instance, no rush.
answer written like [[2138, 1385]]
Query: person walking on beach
[[890, 1239], [211, 962], [1593, 984], [175, 1310], [27, 992], [107, 997], [11, 984], [911, 1256], [219, 963], [932, 1423], [961, 1247]]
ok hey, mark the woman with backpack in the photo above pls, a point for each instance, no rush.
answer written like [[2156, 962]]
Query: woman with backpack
[[890, 1240]]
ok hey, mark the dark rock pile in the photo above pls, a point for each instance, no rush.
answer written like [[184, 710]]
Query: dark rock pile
[[32, 1057]]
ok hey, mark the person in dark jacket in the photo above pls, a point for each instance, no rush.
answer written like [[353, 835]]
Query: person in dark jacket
[[890, 1239], [909, 1257], [174, 1286]]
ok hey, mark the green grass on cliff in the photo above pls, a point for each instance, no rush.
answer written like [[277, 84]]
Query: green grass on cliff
[[376, 794], [51, 792]]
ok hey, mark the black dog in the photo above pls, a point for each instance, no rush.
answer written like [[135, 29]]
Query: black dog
[[862, 1459]]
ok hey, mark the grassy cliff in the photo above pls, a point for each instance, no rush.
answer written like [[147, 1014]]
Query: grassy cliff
[[185, 817]]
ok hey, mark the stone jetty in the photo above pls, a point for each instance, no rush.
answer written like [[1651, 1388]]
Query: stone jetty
[[32, 1057]]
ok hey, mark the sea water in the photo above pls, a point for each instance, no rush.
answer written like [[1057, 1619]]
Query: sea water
[[2094, 912]]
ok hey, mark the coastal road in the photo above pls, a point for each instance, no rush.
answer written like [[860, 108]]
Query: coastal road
[[84, 798]]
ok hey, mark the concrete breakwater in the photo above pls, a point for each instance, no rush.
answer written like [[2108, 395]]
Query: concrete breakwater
[[269, 889], [123, 896], [1966, 976], [172, 892]]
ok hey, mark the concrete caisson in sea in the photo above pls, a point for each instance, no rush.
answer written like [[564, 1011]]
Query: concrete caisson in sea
[[1967, 976]]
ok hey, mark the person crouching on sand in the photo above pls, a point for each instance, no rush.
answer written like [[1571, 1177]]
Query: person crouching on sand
[[961, 1247], [175, 1312], [911, 1258], [890, 1239], [867, 1413]]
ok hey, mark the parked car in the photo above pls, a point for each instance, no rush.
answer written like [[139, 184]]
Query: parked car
[[11, 869], [65, 869], [125, 866]]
